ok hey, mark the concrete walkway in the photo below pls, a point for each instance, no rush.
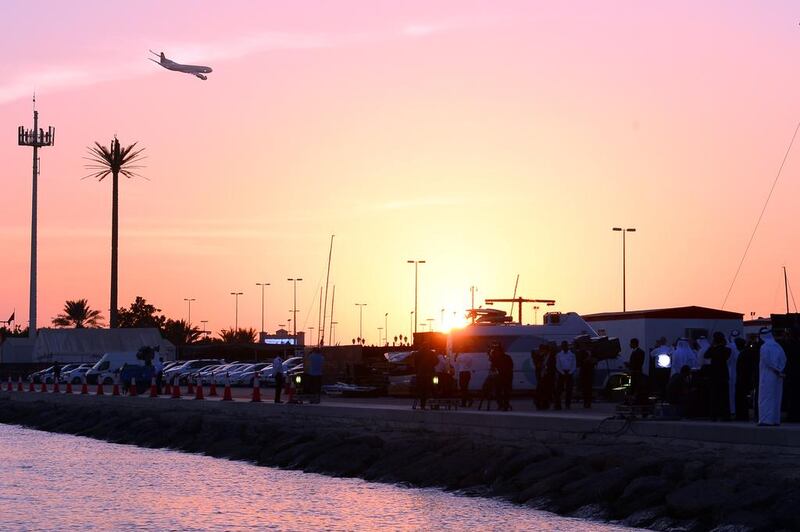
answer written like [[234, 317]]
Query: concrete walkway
[[386, 414]]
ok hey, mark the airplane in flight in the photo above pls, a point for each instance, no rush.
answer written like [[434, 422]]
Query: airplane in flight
[[199, 71]]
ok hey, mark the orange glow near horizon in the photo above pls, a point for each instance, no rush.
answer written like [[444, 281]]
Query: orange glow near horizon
[[489, 139]]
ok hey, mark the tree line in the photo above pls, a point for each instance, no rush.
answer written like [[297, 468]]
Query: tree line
[[78, 314]]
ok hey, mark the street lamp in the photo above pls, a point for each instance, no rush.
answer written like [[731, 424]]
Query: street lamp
[[189, 300], [294, 307], [262, 285], [236, 296], [416, 264], [360, 318], [411, 326], [623, 231], [205, 327], [386, 326]]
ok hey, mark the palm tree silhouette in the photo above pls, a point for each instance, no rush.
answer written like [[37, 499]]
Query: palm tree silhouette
[[114, 161], [78, 314]]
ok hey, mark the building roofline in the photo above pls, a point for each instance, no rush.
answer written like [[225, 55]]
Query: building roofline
[[676, 313]]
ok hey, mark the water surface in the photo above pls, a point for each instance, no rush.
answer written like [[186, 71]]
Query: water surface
[[61, 482]]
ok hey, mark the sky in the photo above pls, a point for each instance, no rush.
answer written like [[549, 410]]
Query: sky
[[491, 139]]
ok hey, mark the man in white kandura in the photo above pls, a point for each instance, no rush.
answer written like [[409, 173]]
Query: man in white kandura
[[682, 356], [732, 369], [770, 380]]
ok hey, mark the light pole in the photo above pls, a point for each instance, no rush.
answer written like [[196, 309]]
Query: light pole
[[236, 296], [262, 285], [623, 231], [441, 320], [294, 307], [386, 326], [416, 264], [472, 290], [360, 318], [189, 301], [411, 326], [205, 326]]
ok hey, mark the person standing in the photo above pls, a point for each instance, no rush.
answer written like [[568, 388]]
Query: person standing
[[772, 362], [682, 356], [565, 367], [505, 376], [746, 371], [464, 373], [719, 398], [587, 365], [792, 371], [732, 345], [314, 375], [56, 372], [277, 372], [158, 367], [635, 365], [424, 362]]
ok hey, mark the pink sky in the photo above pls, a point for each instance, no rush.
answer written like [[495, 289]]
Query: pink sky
[[492, 139]]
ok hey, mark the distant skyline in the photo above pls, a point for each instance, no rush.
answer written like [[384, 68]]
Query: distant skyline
[[490, 139]]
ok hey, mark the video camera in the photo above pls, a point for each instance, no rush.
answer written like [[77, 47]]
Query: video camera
[[600, 347]]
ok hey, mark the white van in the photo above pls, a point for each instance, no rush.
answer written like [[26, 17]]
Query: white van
[[105, 368]]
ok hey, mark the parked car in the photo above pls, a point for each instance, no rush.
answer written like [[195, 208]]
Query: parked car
[[109, 365], [75, 375], [189, 367], [218, 375], [245, 378], [38, 376]]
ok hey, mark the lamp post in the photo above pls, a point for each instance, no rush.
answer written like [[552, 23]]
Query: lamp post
[[205, 326], [262, 285], [416, 264], [236, 322], [386, 326], [189, 301], [623, 231], [294, 307], [472, 290], [361, 318], [441, 320], [411, 327]]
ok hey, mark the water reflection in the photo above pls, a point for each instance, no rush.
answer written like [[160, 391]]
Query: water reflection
[[53, 481]]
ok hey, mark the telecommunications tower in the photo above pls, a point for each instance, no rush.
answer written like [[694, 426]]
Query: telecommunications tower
[[35, 138]]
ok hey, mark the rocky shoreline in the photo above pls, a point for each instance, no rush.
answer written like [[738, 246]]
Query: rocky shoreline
[[643, 484]]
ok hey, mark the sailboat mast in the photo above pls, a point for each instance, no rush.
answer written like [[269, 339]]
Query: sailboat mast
[[325, 305], [786, 288]]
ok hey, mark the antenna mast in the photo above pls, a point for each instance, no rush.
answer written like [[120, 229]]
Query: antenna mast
[[34, 138]]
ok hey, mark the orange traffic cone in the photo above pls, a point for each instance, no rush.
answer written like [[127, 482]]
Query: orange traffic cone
[[212, 388], [44, 387], [290, 389], [10, 386], [189, 386], [199, 395], [153, 388], [69, 387], [31, 387], [19, 385], [115, 389], [132, 391], [56, 389], [99, 387], [256, 390], [84, 386], [176, 389], [226, 395]]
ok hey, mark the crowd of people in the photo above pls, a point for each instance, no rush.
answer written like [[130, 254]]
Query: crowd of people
[[727, 378]]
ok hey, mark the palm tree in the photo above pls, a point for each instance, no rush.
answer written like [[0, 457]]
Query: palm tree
[[78, 314], [113, 161], [181, 333], [240, 336]]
